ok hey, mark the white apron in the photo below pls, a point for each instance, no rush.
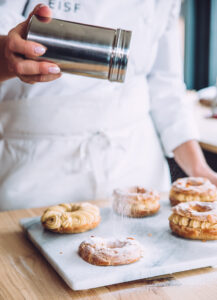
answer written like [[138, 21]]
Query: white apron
[[77, 138], [59, 150]]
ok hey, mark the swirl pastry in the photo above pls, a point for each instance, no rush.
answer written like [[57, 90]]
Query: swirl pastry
[[71, 217], [195, 220], [110, 252], [136, 202], [192, 189]]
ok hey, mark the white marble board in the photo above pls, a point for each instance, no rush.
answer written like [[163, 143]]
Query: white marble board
[[164, 253]]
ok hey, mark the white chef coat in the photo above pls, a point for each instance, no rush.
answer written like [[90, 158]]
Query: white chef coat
[[78, 138]]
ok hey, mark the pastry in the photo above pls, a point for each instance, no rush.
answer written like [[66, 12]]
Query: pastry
[[195, 220], [136, 202], [110, 252], [71, 217], [192, 189]]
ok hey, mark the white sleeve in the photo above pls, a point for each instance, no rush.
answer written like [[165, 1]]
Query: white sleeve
[[10, 15], [170, 111]]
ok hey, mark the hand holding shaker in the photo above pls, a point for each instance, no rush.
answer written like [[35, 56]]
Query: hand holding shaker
[[82, 49]]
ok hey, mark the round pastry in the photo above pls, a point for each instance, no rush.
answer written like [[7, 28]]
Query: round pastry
[[71, 217], [195, 220], [136, 202], [192, 189], [110, 252]]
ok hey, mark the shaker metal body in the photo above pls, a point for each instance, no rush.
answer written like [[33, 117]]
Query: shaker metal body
[[82, 49]]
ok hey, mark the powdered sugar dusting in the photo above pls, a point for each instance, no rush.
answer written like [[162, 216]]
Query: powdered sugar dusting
[[122, 246], [194, 184], [203, 211]]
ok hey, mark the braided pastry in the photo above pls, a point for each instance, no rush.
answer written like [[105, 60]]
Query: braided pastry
[[71, 217]]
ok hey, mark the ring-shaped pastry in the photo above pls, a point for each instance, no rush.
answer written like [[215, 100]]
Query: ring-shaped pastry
[[192, 189], [136, 202], [110, 252], [71, 217], [195, 220]]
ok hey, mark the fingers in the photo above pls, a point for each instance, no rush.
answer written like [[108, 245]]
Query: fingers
[[38, 78], [45, 13], [29, 70], [22, 66], [17, 44], [40, 10], [16, 41]]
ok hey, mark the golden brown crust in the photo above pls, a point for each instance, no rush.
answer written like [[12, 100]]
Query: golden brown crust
[[136, 202], [199, 211], [193, 233], [78, 229], [104, 252], [140, 213], [195, 220], [192, 189], [173, 201], [71, 217]]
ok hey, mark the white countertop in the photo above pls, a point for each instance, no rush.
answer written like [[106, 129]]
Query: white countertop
[[207, 126]]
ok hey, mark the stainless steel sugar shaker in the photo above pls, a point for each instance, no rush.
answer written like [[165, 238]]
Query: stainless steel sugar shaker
[[82, 49]]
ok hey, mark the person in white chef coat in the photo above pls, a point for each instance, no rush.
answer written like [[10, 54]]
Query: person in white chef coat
[[71, 138]]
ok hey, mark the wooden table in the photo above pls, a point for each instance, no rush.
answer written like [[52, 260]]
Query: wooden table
[[25, 274]]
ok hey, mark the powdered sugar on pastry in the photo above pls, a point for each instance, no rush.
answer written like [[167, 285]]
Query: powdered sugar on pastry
[[195, 220], [194, 184], [135, 202], [110, 252], [192, 189], [201, 211]]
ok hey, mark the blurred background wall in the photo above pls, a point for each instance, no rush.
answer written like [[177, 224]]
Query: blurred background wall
[[199, 19]]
